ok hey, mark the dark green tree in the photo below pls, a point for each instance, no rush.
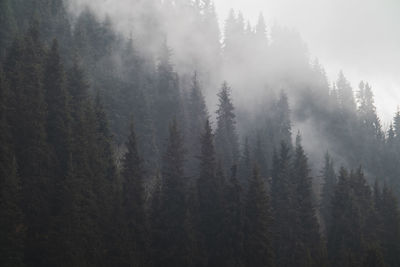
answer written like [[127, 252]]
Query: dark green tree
[[258, 225], [232, 236], [197, 116], [12, 230], [309, 247], [282, 194], [167, 98], [133, 210], [27, 120], [226, 139], [209, 190], [170, 239], [328, 189]]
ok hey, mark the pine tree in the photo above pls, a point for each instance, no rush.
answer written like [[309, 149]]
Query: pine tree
[[350, 231], [226, 139], [209, 186], [282, 207], [133, 213], [232, 236], [104, 172], [244, 170], [170, 240], [282, 122], [82, 206], [390, 230], [258, 225], [346, 95], [197, 116], [328, 189], [309, 250], [27, 120], [167, 100], [260, 157], [57, 100], [12, 228]]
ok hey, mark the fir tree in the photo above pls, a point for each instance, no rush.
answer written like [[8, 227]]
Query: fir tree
[[12, 228], [197, 116], [170, 240], [226, 139], [308, 242], [328, 189], [209, 186], [27, 120], [232, 236], [282, 207], [258, 225], [133, 212], [167, 100]]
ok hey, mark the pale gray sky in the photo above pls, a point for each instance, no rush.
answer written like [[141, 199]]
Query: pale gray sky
[[361, 37]]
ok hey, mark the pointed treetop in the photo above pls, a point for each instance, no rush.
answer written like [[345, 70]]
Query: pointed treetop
[[261, 28], [298, 139]]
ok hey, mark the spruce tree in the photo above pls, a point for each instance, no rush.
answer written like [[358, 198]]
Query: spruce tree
[[82, 184], [169, 238], [244, 166], [309, 250], [12, 230], [133, 212], [258, 225], [226, 139], [209, 186], [232, 236], [282, 206], [390, 232], [167, 100], [328, 189], [27, 120], [197, 116]]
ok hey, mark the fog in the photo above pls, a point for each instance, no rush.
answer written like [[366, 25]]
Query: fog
[[361, 37], [357, 37]]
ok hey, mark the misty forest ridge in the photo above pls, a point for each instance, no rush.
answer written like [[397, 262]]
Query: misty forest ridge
[[150, 136]]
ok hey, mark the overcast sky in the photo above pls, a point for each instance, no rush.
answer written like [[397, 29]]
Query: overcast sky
[[361, 37]]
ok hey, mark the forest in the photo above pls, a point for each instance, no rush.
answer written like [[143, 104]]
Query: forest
[[168, 141]]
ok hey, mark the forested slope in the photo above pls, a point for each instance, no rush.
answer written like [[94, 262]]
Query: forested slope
[[113, 153]]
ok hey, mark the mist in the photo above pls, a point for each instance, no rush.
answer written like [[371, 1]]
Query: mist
[[199, 133]]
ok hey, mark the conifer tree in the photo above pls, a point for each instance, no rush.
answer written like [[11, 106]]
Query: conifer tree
[[27, 120], [308, 242], [170, 240], [133, 213], [81, 193], [197, 116], [328, 188], [244, 166], [209, 186], [57, 100], [282, 121], [282, 206], [167, 100], [258, 225], [349, 234], [390, 231], [232, 236], [226, 139], [345, 95], [260, 157], [12, 228]]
